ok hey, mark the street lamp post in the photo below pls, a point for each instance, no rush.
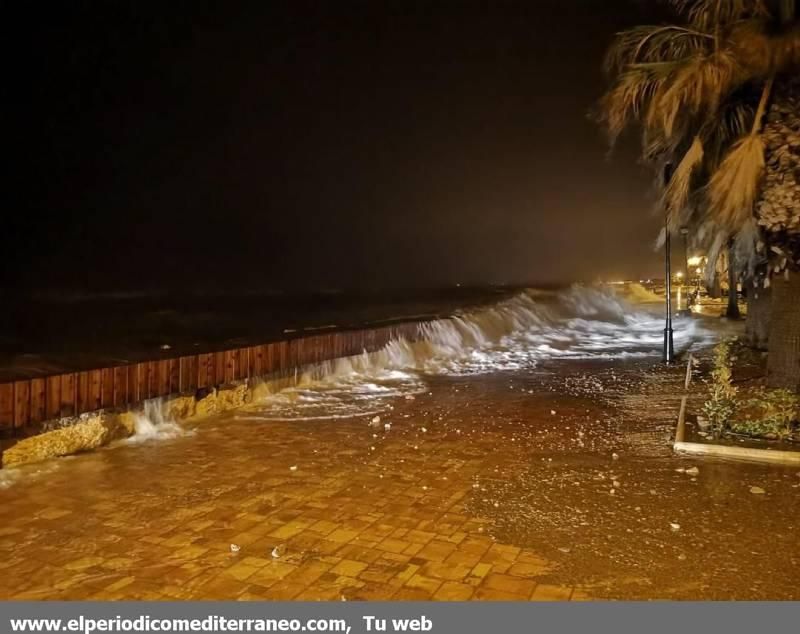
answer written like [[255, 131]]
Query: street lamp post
[[668, 353]]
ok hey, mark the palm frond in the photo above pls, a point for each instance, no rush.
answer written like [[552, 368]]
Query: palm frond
[[655, 43], [734, 186], [734, 120], [709, 14], [700, 83], [676, 193], [630, 96]]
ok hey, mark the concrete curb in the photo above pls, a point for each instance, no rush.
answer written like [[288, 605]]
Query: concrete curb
[[750, 454]]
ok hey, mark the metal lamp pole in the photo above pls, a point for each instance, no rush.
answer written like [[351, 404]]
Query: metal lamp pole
[[668, 352]]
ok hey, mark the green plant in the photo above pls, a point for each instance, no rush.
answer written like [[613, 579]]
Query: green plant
[[768, 413], [722, 402]]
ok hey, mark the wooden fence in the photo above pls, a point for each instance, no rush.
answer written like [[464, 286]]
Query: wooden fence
[[28, 402]]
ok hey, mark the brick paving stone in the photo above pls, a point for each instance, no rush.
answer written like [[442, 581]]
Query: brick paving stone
[[341, 530], [348, 568], [453, 591], [551, 593]]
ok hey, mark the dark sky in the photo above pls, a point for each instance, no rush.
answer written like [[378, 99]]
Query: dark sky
[[315, 144]]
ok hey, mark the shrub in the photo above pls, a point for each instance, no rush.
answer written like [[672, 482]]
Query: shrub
[[768, 413], [722, 403]]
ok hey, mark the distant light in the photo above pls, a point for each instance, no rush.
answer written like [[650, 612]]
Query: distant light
[[679, 274], [698, 270], [694, 261]]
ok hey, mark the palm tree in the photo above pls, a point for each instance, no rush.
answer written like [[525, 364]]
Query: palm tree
[[716, 95]]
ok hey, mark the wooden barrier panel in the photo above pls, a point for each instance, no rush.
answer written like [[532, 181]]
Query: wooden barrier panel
[[107, 387], [174, 371], [38, 407], [133, 384], [95, 389], [7, 405], [53, 396], [187, 380], [69, 395], [22, 403], [150, 379], [29, 402], [162, 378], [219, 368], [121, 386], [229, 366]]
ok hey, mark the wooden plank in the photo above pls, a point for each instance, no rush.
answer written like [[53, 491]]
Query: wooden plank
[[174, 371], [22, 403], [252, 362], [270, 358], [107, 393], [205, 366], [219, 368], [229, 357], [53, 397], [7, 405], [38, 400], [283, 349], [83, 403], [338, 347], [147, 380], [194, 363], [133, 383], [243, 364], [121, 386], [162, 377], [95, 400], [187, 379], [257, 360], [69, 394]]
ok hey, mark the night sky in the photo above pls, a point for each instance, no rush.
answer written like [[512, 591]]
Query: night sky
[[307, 145]]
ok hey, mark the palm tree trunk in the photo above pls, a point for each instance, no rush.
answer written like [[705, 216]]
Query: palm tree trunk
[[783, 361], [759, 311], [732, 311]]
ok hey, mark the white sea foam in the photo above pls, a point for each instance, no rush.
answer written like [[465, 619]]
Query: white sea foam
[[151, 424], [515, 334]]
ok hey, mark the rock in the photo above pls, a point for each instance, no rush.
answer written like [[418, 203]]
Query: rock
[[757, 490], [293, 467], [276, 553], [615, 456], [235, 548], [552, 412], [692, 471], [675, 527], [96, 430], [387, 426]]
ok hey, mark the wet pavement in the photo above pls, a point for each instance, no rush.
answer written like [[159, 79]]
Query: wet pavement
[[554, 482]]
